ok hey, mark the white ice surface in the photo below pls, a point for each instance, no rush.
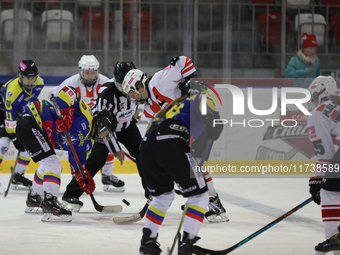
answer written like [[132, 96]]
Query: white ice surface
[[252, 203]]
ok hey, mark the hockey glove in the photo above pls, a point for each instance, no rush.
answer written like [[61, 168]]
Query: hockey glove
[[18, 144], [212, 133], [173, 61], [314, 188], [88, 186], [66, 122]]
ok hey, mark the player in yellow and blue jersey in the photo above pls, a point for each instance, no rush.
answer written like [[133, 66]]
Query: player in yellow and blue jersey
[[40, 131], [15, 94], [166, 159]]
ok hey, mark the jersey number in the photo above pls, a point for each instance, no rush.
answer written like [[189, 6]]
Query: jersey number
[[9, 116]]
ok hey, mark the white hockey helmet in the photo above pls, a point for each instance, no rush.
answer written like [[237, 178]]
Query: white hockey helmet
[[133, 81], [88, 62], [321, 87]]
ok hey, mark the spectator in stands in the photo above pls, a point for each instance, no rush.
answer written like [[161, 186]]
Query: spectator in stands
[[304, 66]]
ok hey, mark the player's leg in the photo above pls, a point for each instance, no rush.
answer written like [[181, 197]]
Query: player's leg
[[330, 204], [161, 188], [47, 177], [19, 181], [111, 183]]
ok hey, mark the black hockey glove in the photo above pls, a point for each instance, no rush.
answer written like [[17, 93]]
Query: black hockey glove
[[314, 188], [212, 133], [174, 60], [17, 144]]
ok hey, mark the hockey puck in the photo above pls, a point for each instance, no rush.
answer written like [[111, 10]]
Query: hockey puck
[[126, 202]]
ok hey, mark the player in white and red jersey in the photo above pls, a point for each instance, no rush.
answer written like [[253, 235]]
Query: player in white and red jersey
[[160, 89], [323, 128], [88, 83]]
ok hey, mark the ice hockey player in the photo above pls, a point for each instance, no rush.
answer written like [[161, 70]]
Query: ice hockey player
[[41, 132], [158, 90], [16, 93], [166, 159], [112, 99], [88, 83], [323, 127]]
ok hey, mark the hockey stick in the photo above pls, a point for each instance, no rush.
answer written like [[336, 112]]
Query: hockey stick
[[98, 207], [178, 235], [12, 173], [133, 218], [136, 217], [128, 156], [202, 251]]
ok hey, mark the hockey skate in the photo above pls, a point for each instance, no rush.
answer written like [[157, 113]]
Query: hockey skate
[[53, 211], [20, 182], [72, 204], [331, 244], [216, 212], [34, 203], [186, 246], [149, 246], [112, 183]]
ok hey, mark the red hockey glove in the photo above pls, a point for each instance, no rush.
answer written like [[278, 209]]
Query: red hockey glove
[[66, 122], [314, 188], [90, 186]]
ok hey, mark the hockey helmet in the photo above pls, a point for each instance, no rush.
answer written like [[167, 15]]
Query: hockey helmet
[[321, 87], [104, 120], [28, 69], [133, 81], [121, 69], [88, 62]]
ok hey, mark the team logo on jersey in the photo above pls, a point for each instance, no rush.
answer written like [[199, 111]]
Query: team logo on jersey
[[121, 104], [9, 94], [4, 149], [311, 132], [71, 94]]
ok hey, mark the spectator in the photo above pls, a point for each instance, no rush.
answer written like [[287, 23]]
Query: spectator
[[305, 65]]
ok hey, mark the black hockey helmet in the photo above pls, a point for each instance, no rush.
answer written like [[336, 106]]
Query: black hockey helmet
[[104, 120], [191, 87], [27, 68], [121, 69]]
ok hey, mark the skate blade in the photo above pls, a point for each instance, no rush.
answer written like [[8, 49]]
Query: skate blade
[[71, 207], [19, 187], [110, 188], [49, 217], [33, 210]]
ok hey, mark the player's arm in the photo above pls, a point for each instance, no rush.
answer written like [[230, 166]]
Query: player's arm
[[66, 100], [184, 65], [320, 135]]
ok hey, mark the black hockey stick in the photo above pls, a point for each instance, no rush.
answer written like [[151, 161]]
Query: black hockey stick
[[98, 207], [12, 173], [128, 156], [136, 217], [202, 251]]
